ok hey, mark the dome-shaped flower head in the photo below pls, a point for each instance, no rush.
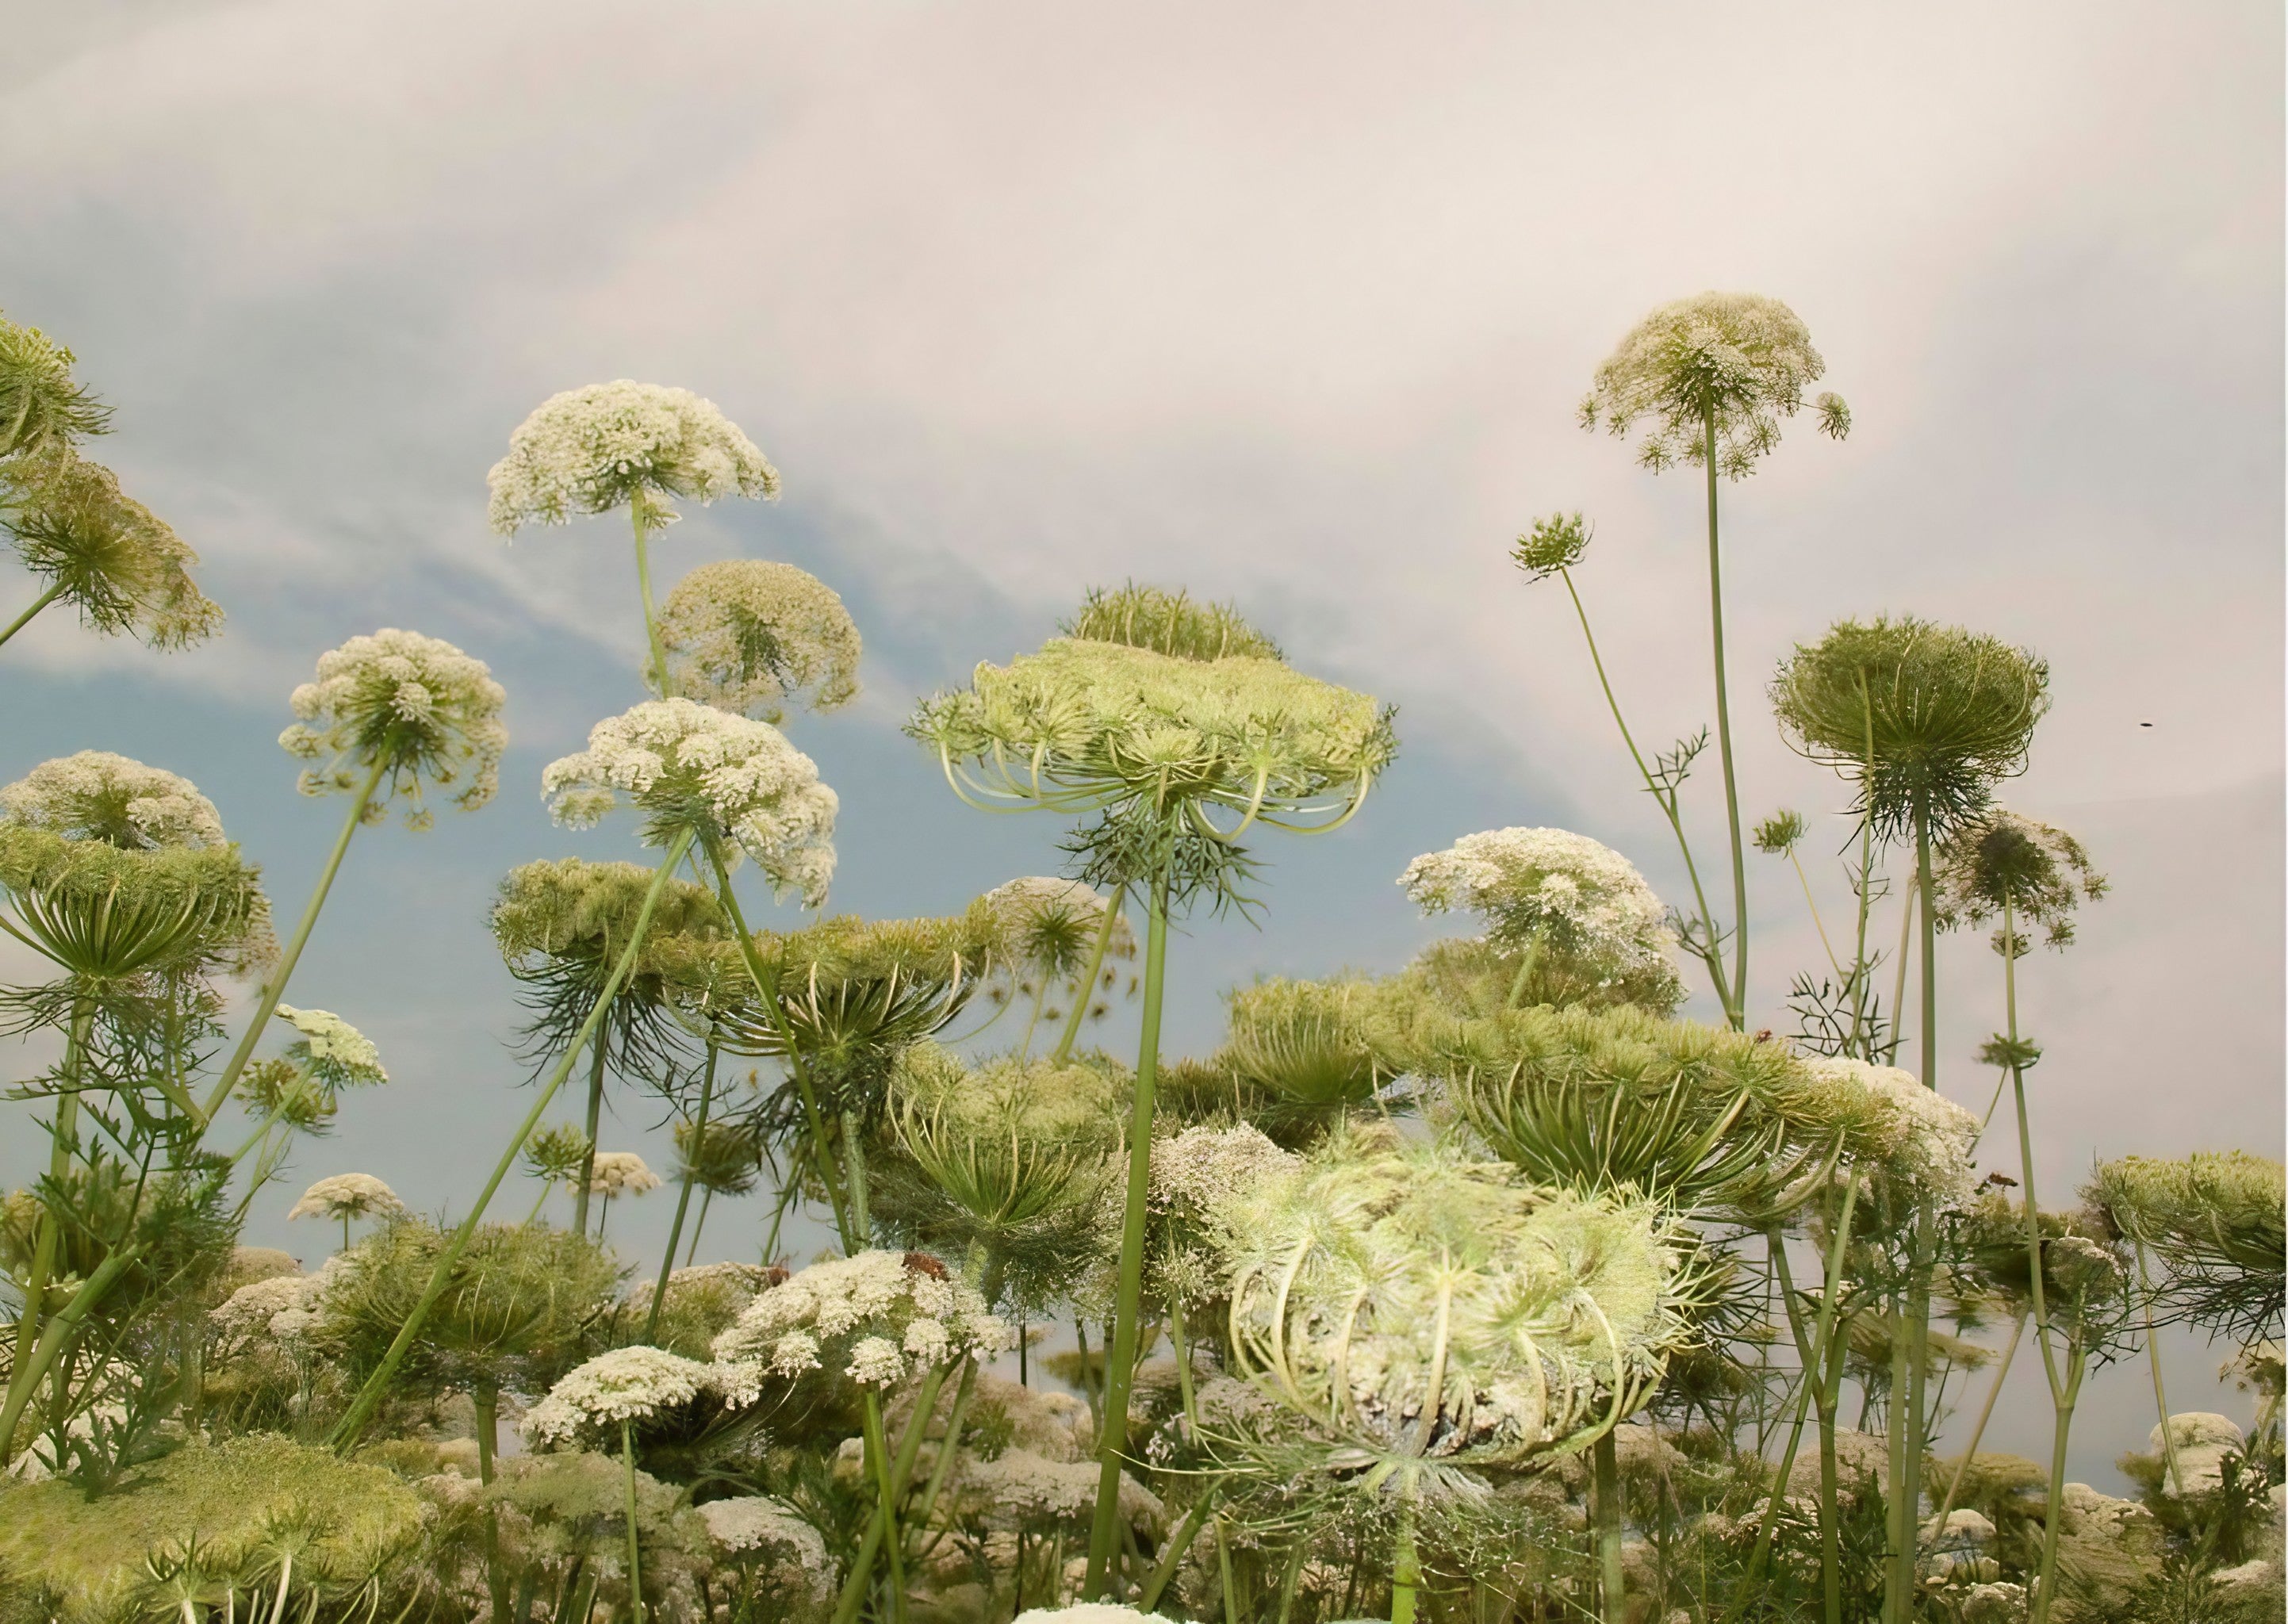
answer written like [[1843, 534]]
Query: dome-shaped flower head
[[757, 637], [119, 563], [412, 707], [1049, 931], [1726, 366], [2219, 1220], [631, 1384], [349, 1195], [2036, 870], [41, 405], [1173, 623], [593, 449], [337, 1053], [1564, 890], [1919, 1135], [1552, 546], [1926, 719], [873, 1318], [685, 765], [618, 1173], [1414, 1303], [98, 796]]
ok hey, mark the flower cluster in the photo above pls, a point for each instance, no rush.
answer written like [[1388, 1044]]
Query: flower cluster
[[41, 404], [337, 1053], [685, 763], [283, 1307], [617, 1173], [1925, 1135], [1021, 1489], [2036, 870], [1726, 367], [349, 1195], [879, 1315], [1559, 890], [757, 1522], [1200, 1178], [413, 707], [631, 1384], [98, 796], [591, 450], [755, 636], [1052, 924], [119, 563]]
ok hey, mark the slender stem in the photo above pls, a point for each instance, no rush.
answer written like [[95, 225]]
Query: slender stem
[[942, 1467], [1179, 1543], [682, 1200], [1405, 1563], [1913, 1431], [1713, 959], [698, 1225], [38, 603], [1526, 962], [1120, 1364], [1899, 985], [635, 1537], [1604, 1456], [2153, 1358], [854, 1177], [887, 1483], [274, 985], [1978, 1430], [1724, 740], [2053, 1513], [485, 1398], [640, 513], [854, 1585], [63, 1141], [1104, 930], [599, 1052], [361, 1411], [1812, 903]]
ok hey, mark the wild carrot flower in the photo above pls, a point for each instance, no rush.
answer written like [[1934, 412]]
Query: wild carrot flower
[[593, 449], [412, 707], [755, 638], [1564, 890], [349, 1195], [337, 1053], [631, 1384], [98, 796], [41, 404], [119, 563]]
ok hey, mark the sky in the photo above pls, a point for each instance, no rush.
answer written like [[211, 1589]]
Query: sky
[[1288, 305]]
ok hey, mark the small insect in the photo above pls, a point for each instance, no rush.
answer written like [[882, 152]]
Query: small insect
[[2144, 725], [922, 1263], [2002, 1181], [1764, 1036]]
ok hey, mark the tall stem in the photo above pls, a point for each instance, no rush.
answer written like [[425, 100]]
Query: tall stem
[[361, 1411], [2053, 1513], [1405, 1564], [1978, 1430], [63, 1141], [1095, 968], [274, 985], [854, 1585], [635, 1536], [887, 1485], [2153, 1359], [1724, 740], [1120, 1364], [1923, 1244], [38, 603], [640, 514], [600, 1050], [682, 1198], [1605, 1462]]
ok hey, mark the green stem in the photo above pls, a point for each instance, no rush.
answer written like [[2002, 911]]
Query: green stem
[[941, 1467], [854, 1174], [1120, 1364], [2054, 1512], [635, 1536], [1179, 1542], [1405, 1564], [854, 1585], [1095, 968], [887, 1483], [1604, 1456], [600, 1051], [1985, 1413], [1033, 1019], [361, 1411], [38, 603], [274, 985], [1711, 957], [2153, 1358], [699, 1226], [63, 1141], [682, 1201], [1724, 742], [486, 1399], [30, 1372], [640, 513], [1530, 957]]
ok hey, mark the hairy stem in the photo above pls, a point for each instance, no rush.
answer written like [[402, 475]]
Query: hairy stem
[[1724, 742]]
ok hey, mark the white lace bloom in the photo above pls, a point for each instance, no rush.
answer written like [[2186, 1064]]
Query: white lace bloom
[[416, 707], [753, 636], [1019, 1488], [335, 1051], [863, 1315], [680, 761], [631, 1384], [1931, 1137], [349, 1195], [593, 449], [1562, 889], [621, 1172], [284, 1306], [98, 796], [753, 1522]]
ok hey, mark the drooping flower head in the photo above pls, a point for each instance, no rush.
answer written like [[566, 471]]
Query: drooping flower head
[[873, 1318], [415, 708], [337, 1053], [688, 766], [98, 796], [1726, 366], [42, 405], [1925, 719], [2036, 870], [593, 449], [631, 1384], [757, 637], [119, 563], [349, 1195], [617, 1173], [2219, 1222], [1562, 891], [1552, 546]]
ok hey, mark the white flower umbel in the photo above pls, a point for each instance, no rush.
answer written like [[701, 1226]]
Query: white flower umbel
[[349, 1195], [1548, 885], [336, 1053], [874, 1319], [618, 1173], [756, 636], [683, 764], [1930, 1139], [631, 1384], [757, 1522], [283, 1307], [593, 449], [98, 796], [415, 708]]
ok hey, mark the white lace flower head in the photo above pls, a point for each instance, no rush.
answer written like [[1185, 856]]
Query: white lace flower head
[[627, 1385], [755, 1521], [682, 763], [415, 706], [593, 449], [95, 794], [336, 1053], [349, 1195], [283, 1307], [1930, 1138], [875, 1317], [1571, 893], [755, 636], [621, 1172]]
